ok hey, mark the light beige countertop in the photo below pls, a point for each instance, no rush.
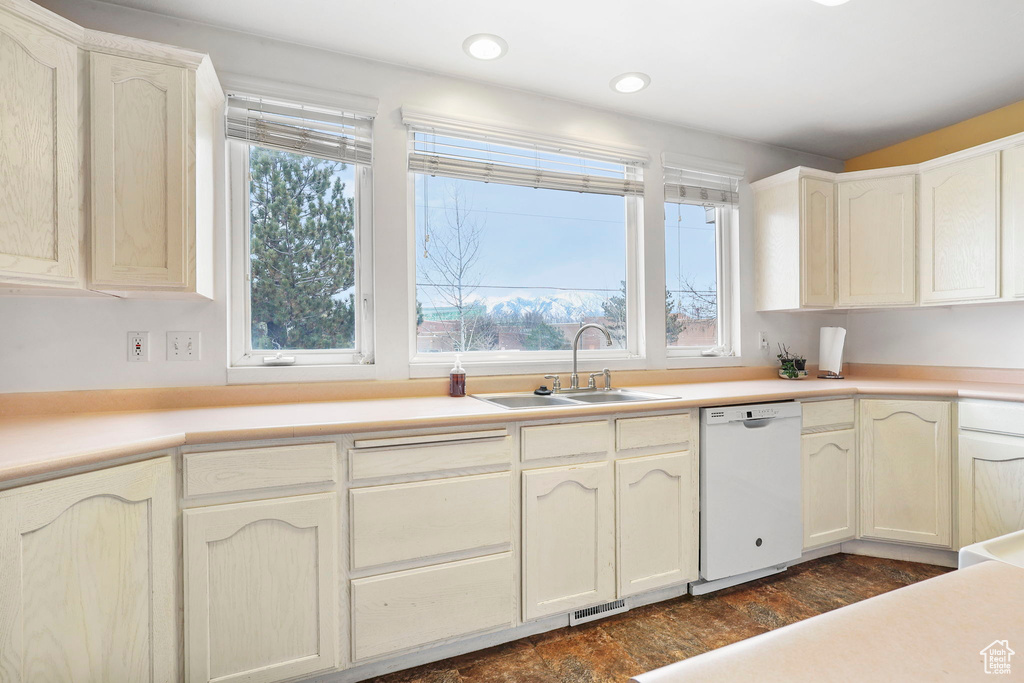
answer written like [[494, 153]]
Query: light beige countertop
[[934, 630], [35, 445]]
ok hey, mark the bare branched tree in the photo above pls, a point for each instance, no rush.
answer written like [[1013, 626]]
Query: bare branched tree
[[451, 268], [691, 308]]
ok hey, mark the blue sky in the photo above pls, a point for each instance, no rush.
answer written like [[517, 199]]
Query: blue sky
[[553, 238]]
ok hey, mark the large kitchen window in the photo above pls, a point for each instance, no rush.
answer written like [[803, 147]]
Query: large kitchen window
[[700, 210], [300, 185], [517, 245]]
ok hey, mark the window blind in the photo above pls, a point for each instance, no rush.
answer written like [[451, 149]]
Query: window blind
[[683, 186], [489, 161], [300, 128]]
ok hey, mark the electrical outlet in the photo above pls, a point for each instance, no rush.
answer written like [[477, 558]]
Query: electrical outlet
[[183, 345], [762, 340], [138, 347]]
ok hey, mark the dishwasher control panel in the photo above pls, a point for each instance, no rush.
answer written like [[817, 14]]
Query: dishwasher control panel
[[764, 411]]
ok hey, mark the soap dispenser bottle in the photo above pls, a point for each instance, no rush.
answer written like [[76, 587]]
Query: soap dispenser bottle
[[457, 379]]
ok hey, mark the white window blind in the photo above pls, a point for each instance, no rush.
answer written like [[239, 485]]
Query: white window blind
[[705, 188], [313, 131], [490, 161]]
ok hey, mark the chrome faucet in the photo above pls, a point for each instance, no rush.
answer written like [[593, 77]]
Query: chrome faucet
[[574, 379]]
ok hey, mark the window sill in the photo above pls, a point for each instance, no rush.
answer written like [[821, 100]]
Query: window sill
[[300, 373], [441, 368], [682, 362]]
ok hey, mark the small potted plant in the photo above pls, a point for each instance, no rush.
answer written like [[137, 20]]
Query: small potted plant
[[791, 365]]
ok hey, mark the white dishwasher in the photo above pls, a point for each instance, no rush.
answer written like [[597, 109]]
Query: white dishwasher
[[750, 512]]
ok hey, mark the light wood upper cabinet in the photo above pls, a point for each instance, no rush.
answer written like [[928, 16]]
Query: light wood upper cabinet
[[905, 471], [1012, 195], [568, 538], [829, 487], [87, 587], [39, 156], [261, 589], [658, 505], [148, 231], [795, 241], [960, 231], [876, 242]]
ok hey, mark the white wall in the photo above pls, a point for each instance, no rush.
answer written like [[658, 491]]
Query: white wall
[[63, 344], [975, 335]]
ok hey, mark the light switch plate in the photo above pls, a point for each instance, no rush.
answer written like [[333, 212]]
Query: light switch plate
[[183, 345]]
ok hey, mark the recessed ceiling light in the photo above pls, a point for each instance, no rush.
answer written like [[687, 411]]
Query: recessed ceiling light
[[831, 3], [631, 82], [485, 46]]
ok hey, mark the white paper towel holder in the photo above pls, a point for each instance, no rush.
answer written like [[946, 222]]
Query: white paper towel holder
[[828, 374]]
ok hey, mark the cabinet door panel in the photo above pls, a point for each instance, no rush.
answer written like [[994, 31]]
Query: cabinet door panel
[[658, 525], [960, 231], [1013, 221], [261, 589], [817, 283], [876, 238], [87, 577], [991, 486], [829, 487], [38, 155], [905, 471], [568, 538], [141, 144]]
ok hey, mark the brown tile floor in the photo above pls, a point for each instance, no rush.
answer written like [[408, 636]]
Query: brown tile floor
[[646, 638]]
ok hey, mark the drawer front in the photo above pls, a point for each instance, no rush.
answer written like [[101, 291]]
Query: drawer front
[[412, 521], [827, 416], [573, 438], [660, 430], [398, 611], [434, 457], [992, 416], [255, 469]]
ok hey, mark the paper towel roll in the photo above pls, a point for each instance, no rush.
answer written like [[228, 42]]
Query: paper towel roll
[[830, 350]]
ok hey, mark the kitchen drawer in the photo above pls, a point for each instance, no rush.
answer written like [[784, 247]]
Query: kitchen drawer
[[426, 518], [827, 416], [570, 438], [442, 452], [398, 611], [992, 416], [257, 469], [659, 430]]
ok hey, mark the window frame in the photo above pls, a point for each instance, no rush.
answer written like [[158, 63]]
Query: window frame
[[518, 362], [245, 363], [726, 257]]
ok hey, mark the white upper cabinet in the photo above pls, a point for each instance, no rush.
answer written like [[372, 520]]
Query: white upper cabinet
[[876, 230], [959, 253], [151, 227], [795, 241], [39, 156], [1013, 221]]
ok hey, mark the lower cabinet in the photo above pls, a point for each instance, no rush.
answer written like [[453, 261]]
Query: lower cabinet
[[87, 587], [261, 589], [401, 610], [658, 521], [991, 486], [568, 538], [906, 490], [829, 487]]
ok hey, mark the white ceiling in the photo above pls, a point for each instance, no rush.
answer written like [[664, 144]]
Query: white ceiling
[[835, 81]]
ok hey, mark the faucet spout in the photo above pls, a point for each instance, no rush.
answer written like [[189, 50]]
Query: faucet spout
[[574, 379]]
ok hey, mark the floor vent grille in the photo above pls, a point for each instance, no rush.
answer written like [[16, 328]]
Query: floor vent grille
[[582, 616]]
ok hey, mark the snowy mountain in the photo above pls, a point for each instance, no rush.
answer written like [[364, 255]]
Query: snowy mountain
[[569, 307]]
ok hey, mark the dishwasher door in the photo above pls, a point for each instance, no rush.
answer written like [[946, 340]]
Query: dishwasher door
[[750, 489]]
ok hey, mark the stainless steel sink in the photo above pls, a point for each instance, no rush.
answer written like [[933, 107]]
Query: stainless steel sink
[[574, 398]]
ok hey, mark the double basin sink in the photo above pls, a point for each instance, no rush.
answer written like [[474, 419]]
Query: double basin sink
[[574, 398]]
